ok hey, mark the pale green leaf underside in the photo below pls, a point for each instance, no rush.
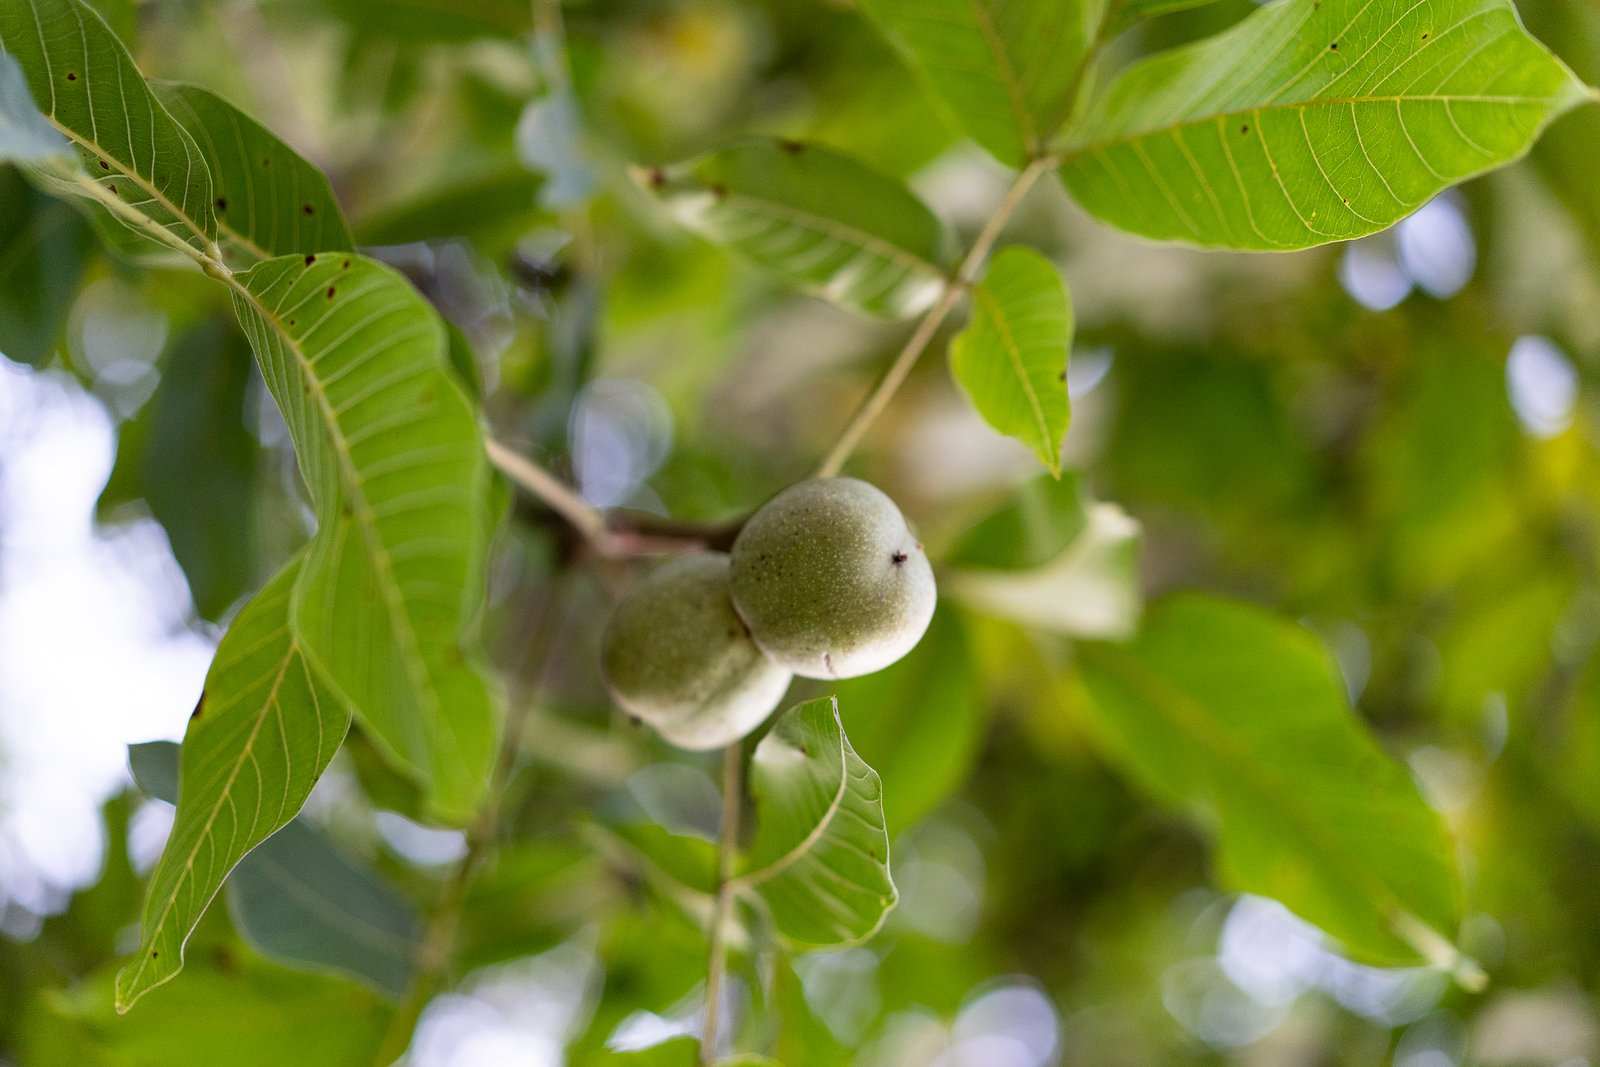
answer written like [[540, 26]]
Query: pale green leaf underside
[[1224, 708], [825, 221], [392, 454], [135, 157], [1012, 357], [1005, 69], [1315, 121], [266, 727], [820, 858], [269, 200]]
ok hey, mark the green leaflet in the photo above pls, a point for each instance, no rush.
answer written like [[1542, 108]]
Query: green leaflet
[[1007, 71], [390, 449], [269, 200], [137, 161], [1012, 357], [44, 247], [1314, 121], [1222, 707], [265, 728], [820, 858], [830, 224]]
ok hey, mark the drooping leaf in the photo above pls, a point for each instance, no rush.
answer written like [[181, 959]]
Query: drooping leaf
[[190, 456], [826, 221], [920, 721], [1007, 71], [265, 727], [133, 157], [820, 857], [1012, 357], [44, 245], [300, 899], [1222, 707], [269, 200], [1314, 121], [391, 452]]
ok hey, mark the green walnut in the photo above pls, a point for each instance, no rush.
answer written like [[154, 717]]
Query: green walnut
[[677, 656], [831, 581]]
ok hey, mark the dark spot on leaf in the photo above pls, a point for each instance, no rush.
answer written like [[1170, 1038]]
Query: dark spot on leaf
[[154, 953], [308, 209], [1347, 201], [291, 322], [794, 148], [347, 510], [266, 162], [222, 203], [71, 77], [112, 186], [104, 165], [331, 291], [347, 264], [310, 260], [656, 178], [425, 397], [1334, 47], [634, 720], [1245, 128], [1424, 37], [719, 190], [199, 706]]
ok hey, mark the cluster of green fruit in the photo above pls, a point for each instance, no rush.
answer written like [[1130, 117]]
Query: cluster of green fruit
[[825, 581]]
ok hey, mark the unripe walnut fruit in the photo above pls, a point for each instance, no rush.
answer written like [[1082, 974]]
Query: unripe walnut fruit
[[677, 656], [831, 581]]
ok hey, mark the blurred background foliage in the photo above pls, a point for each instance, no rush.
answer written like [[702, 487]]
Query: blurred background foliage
[[1392, 441]]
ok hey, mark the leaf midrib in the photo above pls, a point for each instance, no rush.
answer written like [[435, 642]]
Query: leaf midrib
[[853, 235], [1008, 342]]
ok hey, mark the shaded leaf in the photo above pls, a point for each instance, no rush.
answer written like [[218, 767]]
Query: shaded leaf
[[1006, 70], [391, 452], [300, 899], [264, 730], [1012, 358], [1314, 121], [1223, 707], [26, 136], [44, 245], [919, 721], [190, 456], [136, 160], [269, 200], [1124, 13], [820, 857], [827, 222]]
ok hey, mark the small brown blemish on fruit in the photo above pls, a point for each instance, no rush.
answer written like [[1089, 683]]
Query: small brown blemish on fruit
[[898, 558]]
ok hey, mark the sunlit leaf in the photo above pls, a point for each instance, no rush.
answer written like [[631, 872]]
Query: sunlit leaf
[[1221, 707], [136, 160], [269, 201], [820, 857], [1012, 357], [1007, 71], [827, 222], [391, 451], [1314, 121], [264, 729]]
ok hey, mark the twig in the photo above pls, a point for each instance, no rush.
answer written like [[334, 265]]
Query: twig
[[584, 517], [895, 376], [727, 850]]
